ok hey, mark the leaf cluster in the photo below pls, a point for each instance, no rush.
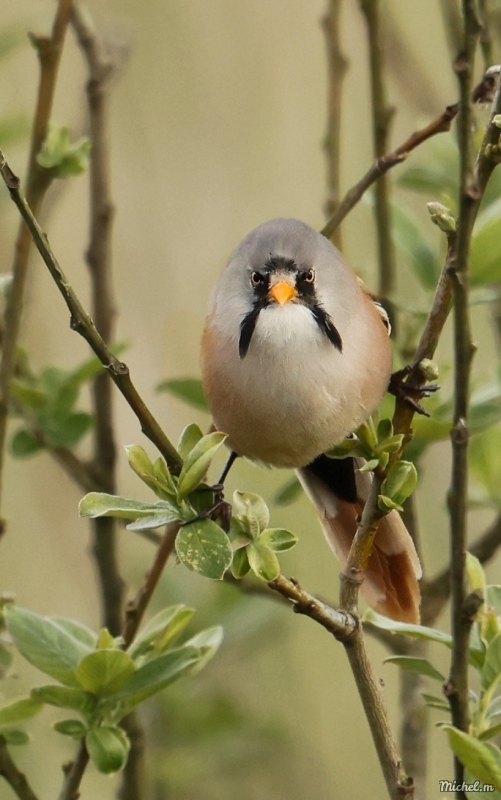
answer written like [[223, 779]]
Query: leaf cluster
[[96, 678], [480, 756]]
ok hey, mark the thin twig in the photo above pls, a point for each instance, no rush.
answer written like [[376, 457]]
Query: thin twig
[[73, 774], [100, 69], [83, 324], [337, 66], [485, 35], [38, 181], [457, 685], [136, 608], [17, 781], [340, 624], [440, 124], [382, 114]]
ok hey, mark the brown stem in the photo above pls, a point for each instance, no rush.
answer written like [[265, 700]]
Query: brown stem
[[83, 324], [382, 114], [38, 181], [457, 685], [440, 124], [136, 608], [337, 66], [341, 625], [73, 774], [13, 776], [103, 311]]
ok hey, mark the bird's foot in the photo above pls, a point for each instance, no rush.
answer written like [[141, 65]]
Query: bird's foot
[[410, 392], [219, 511]]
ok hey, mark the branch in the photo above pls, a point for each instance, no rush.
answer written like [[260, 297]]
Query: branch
[[73, 774], [16, 779], [382, 114], [337, 66], [83, 324], [457, 685], [136, 608], [341, 625], [38, 181], [100, 68], [440, 124]]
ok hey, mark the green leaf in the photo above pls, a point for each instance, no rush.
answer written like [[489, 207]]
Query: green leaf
[[67, 431], [14, 737], [491, 670], [485, 267], [45, 644], [278, 539], [24, 444], [484, 454], [100, 504], [78, 630], [476, 756], [5, 660], [155, 675], [108, 748], [204, 547], [435, 702], [155, 521], [19, 710], [197, 463], [400, 482], [208, 642], [475, 574], [161, 631], [421, 258], [189, 438], [27, 394], [64, 697], [156, 476], [490, 732], [289, 492], [494, 598], [71, 727], [105, 640], [62, 155], [407, 629], [188, 389], [419, 665], [240, 564], [105, 672], [263, 561], [252, 507]]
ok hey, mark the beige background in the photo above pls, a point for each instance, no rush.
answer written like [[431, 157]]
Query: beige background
[[217, 125]]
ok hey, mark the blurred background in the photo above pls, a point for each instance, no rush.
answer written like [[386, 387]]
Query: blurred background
[[218, 120]]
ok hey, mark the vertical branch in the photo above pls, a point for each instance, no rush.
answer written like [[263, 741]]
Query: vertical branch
[[103, 310], [382, 114], [337, 66], [457, 687], [38, 181], [485, 35]]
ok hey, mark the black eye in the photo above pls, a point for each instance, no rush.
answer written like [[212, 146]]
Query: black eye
[[257, 279], [309, 277]]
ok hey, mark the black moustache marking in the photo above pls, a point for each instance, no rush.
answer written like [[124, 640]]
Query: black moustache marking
[[327, 326], [248, 324]]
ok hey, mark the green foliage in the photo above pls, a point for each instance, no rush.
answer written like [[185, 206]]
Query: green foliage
[[97, 678], [374, 441], [190, 390], [481, 758], [201, 543], [48, 400], [62, 156]]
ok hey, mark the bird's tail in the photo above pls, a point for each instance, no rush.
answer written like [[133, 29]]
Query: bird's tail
[[339, 491]]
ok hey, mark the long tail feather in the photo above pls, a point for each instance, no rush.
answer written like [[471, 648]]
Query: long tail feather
[[339, 494]]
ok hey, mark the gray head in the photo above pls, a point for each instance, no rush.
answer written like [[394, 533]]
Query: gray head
[[280, 261]]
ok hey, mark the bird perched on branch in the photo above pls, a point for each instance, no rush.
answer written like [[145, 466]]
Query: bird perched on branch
[[295, 356]]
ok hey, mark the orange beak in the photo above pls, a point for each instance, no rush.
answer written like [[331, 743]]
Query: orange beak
[[282, 292]]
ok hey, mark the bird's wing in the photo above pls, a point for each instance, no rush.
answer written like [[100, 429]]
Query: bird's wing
[[339, 493]]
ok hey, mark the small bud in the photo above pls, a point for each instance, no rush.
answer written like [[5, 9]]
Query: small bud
[[496, 120], [429, 369], [442, 216]]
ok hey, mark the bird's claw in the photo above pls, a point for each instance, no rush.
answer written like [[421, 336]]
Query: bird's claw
[[219, 511], [411, 392]]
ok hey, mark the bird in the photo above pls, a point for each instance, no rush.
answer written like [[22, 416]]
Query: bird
[[295, 356]]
